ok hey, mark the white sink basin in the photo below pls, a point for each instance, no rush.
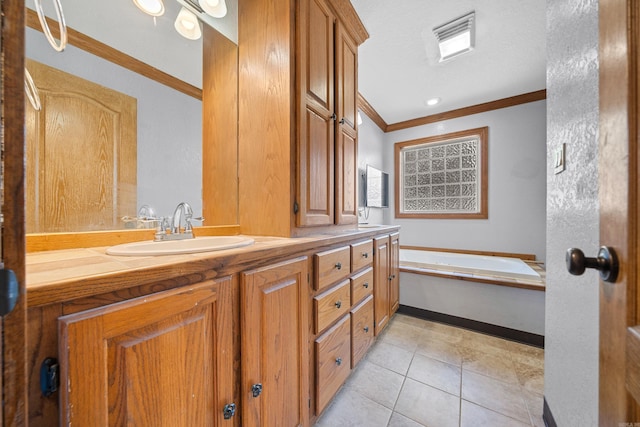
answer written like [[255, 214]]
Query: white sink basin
[[175, 247], [369, 225]]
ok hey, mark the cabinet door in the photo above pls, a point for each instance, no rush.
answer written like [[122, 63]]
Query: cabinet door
[[315, 72], [159, 360], [381, 282], [346, 135], [275, 346], [394, 270]]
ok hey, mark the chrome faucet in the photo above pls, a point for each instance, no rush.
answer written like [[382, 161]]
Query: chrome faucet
[[182, 210]]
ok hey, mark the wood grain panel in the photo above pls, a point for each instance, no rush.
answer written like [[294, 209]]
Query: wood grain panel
[[394, 270], [219, 129], [361, 285], [347, 14], [331, 266], [105, 51], [146, 339], [38, 242], [361, 254], [346, 165], [14, 378], [333, 357], [331, 304], [266, 113], [618, 194], [524, 257], [381, 283], [86, 152], [361, 330], [274, 325]]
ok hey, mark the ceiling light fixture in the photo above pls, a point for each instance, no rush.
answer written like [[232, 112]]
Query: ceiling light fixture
[[215, 8], [457, 36], [433, 101], [187, 25], [150, 7]]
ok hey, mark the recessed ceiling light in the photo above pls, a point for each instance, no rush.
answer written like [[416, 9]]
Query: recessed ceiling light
[[433, 101], [151, 7], [456, 37]]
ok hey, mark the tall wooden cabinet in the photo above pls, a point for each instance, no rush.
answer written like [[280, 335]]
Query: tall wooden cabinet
[[297, 123], [126, 364]]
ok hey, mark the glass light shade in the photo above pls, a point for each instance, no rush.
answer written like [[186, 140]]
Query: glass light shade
[[455, 45], [151, 7], [187, 25], [215, 8]]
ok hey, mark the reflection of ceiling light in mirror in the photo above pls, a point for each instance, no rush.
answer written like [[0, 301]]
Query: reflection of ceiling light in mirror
[[215, 8], [151, 7], [433, 101], [187, 25], [359, 119]]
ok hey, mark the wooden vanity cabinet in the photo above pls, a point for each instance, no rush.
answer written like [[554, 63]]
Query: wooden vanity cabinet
[[161, 359], [297, 139], [387, 279], [275, 345]]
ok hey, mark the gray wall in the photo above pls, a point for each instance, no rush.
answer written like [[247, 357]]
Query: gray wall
[[517, 188], [370, 152], [571, 339]]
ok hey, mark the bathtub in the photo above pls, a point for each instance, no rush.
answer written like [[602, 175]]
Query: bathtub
[[464, 286], [469, 265]]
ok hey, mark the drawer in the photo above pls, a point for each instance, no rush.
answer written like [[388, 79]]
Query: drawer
[[361, 330], [361, 285], [331, 304], [333, 364], [361, 255], [332, 266]]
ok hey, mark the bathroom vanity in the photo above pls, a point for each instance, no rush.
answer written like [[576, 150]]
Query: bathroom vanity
[[259, 335]]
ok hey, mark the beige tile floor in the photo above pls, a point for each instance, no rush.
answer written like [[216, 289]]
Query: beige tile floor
[[421, 373]]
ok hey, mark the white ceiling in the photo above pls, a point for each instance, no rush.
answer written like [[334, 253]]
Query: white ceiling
[[398, 68]]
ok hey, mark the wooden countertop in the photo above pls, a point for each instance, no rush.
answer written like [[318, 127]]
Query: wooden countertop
[[64, 275]]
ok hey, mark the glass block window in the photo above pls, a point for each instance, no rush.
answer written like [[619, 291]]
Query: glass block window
[[443, 176]]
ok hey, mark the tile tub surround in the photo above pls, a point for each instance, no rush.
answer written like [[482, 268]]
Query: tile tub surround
[[422, 373]]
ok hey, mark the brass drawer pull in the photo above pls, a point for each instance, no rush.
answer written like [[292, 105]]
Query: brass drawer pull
[[338, 304], [339, 265], [339, 361]]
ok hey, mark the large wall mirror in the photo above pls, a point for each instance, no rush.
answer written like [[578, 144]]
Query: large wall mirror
[[165, 168]]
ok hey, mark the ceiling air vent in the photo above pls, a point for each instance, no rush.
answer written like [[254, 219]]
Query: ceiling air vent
[[456, 37]]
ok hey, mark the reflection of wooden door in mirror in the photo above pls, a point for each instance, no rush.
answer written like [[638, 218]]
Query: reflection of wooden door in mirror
[[81, 154]]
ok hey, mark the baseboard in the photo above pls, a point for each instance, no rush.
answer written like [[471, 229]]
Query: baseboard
[[547, 417], [475, 325]]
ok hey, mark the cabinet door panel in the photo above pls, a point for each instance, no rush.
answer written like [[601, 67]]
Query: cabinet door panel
[[346, 169], [394, 267], [274, 329], [133, 363], [319, 48], [381, 283]]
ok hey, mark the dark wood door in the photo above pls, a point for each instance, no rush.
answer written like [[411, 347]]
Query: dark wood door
[[12, 327], [619, 176], [275, 345]]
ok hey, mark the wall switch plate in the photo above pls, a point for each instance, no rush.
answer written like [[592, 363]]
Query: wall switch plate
[[560, 159]]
